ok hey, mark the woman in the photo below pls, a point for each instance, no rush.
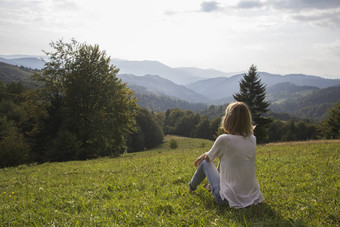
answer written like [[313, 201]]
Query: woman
[[235, 183]]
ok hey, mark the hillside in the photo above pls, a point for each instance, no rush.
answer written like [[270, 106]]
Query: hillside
[[299, 182], [161, 103], [163, 86], [141, 68], [10, 73], [312, 106], [28, 62], [287, 91], [219, 88]]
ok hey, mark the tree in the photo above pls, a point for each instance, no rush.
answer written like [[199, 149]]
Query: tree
[[253, 93], [149, 132], [85, 99], [331, 125], [202, 129], [14, 148]]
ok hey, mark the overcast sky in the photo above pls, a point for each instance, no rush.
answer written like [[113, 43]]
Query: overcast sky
[[278, 36]]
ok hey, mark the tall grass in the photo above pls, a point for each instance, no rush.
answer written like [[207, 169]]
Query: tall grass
[[300, 183]]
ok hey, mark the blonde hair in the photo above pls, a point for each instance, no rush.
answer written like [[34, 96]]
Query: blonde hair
[[237, 119]]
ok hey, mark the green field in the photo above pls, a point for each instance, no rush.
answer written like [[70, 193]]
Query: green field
[[299, 181]]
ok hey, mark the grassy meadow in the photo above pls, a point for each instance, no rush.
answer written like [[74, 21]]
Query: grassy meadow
[[299, 181]]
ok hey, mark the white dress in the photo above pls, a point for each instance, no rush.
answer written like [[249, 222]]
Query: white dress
[[238, 181]]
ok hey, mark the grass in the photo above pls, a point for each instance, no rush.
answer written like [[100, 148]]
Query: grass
[[299, 181]]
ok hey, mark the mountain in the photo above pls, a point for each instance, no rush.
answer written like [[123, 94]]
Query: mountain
[[306, 80], [29, 62], [141, 68], [311, 106], [286, 91], [205, 73], [10, 73], [163, 86], [161, 103], [216, 88], [180, 75], [220, 88]]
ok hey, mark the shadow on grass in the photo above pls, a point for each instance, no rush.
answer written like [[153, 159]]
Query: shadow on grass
[[257, 215]]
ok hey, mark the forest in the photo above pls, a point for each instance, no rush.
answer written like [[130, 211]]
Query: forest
[[78, 109]]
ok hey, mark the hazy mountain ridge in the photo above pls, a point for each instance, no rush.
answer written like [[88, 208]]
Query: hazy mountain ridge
[[219, 88], [312, 106], [141, 68], [10, 73], [163, 86], [286, 91], [29, 62]]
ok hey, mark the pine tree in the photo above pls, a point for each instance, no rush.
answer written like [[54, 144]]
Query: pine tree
[[253, 93]]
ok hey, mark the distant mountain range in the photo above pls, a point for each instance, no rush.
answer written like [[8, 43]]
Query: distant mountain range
[[154, 82], [158, 85], [10, 73], [181, 75], [33, 62]]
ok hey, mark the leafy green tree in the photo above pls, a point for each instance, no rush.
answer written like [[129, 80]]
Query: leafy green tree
[[84, 98], [290, 131], [331, 125], [203, 129], [149, 132], [253, 93], [14, 149], [187, 125], [172, 118], [215, 127]]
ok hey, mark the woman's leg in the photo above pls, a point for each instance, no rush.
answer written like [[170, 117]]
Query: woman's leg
[[207, 169]]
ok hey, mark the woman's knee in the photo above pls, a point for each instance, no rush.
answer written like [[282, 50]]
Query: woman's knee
[[206, 163]]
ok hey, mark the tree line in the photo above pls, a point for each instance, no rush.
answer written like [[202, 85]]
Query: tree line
[[80, 110]]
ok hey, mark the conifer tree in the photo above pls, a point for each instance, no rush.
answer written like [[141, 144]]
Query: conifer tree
[[253, 93]]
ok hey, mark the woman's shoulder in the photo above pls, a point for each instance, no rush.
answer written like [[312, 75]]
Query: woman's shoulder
[[227, 137], [222, 137]]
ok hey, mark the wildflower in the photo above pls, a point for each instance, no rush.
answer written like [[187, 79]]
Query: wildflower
[[12, 193], [4, 193], [10, 196]]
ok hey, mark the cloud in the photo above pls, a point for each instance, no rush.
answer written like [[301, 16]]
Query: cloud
[[297, 5], [318, 12], [292, 5], [332, 48], [208, 7], [329, 18], [249, 4]]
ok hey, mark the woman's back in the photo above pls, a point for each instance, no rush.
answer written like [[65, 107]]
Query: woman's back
[[237, 169], [236, 182]]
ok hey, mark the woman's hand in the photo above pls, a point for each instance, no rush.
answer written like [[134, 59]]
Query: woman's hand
[[200, 159]]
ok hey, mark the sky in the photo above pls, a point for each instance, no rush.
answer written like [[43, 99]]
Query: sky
[[278, 36]]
